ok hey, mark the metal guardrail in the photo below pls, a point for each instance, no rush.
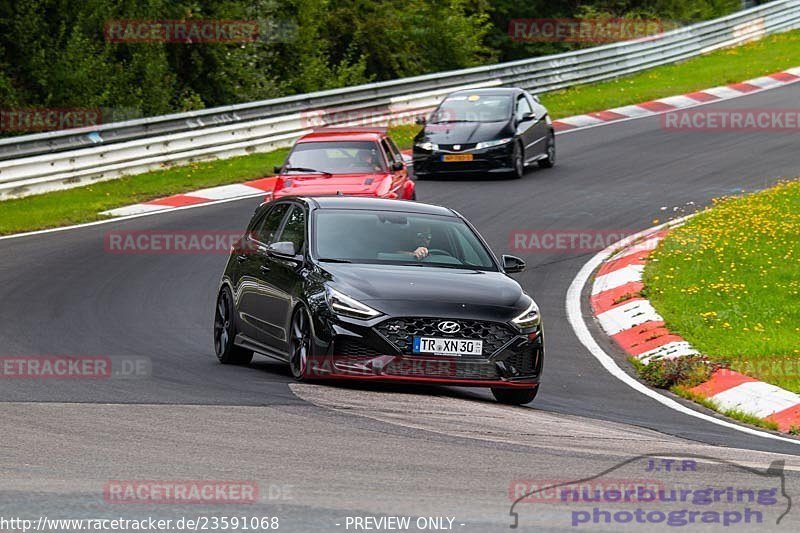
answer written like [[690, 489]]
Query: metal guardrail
[[55, 160]]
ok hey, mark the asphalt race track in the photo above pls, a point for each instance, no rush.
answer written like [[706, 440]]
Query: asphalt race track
[[326, 453]]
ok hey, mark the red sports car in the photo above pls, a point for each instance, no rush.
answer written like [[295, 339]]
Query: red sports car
[[345, 161]]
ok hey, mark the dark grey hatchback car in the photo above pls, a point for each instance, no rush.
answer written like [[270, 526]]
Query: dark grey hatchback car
[[386, 290]]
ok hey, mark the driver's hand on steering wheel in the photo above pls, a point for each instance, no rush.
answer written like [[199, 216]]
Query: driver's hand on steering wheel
[[420, 253]]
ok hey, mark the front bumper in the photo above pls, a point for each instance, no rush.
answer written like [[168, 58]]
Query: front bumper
[[381, 350], [498, 159]]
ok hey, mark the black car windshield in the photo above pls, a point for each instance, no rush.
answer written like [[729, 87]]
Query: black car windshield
[[336, 157], [389, 237], [473, 108]]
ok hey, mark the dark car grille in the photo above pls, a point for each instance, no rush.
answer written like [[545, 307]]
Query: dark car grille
[[444, 369], [461, 147], [401, 332], [523, 363], [353, 347]]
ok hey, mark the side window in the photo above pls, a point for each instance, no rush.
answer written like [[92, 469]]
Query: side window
[[266, 230], [391, 150], [388, 151], [295, 228], [523, 107]]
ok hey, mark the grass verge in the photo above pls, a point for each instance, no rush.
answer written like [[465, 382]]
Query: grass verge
[[727, 282], [83, 204], [729, 65]]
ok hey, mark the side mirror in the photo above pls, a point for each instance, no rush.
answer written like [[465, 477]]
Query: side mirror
[[277, 169], [513, 264], [526, 117], [283, 249], [398, 165], [421, 120]]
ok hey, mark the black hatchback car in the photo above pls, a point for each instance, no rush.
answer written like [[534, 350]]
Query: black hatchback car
[[485, 131], [373, 289]]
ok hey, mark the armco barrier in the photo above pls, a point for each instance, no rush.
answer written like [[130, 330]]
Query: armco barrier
[[38, 163]]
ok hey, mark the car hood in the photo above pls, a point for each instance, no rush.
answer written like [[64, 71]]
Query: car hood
[[377, 184], [465, 132], [426, 291]]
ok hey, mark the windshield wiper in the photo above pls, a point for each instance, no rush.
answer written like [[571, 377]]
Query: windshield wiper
[[449, 121], [334, 260], [310, 170]]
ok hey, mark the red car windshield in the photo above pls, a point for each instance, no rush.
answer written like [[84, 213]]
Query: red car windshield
[[336, 157]]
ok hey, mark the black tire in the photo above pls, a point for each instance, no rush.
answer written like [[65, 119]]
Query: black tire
[[225, 332], [300, 344], [515, 396], [517, 162], [550, 160]]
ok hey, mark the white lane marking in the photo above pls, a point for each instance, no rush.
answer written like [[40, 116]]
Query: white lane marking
[[627, 316], [670, 350], [756, 398], [575, 318], [618, 278]]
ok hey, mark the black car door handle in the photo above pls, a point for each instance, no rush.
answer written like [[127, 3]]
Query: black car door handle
[[264, 268], [241, 258]]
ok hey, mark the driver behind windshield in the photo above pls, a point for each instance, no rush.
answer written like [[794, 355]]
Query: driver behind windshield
[[368, 160], [422, 241]]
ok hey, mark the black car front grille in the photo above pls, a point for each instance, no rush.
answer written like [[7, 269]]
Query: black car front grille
[[461, 147], [353, 347], [400, 332], [441, 369], [522, 363]]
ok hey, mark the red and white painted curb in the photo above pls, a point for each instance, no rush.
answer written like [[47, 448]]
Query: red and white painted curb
[[672, 103], [578, 122], [259, 187], [632, 322]]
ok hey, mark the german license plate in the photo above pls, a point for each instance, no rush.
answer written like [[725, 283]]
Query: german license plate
[[440, 346], [452, 158]]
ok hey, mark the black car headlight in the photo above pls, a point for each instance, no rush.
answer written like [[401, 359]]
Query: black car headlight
[[428, 147], [530, 318], [341, 304], [492, 144]]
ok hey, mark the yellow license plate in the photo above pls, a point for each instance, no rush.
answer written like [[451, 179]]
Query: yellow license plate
[[456, 157]]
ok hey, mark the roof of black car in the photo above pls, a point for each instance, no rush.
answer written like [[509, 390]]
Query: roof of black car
[[377, 204]]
